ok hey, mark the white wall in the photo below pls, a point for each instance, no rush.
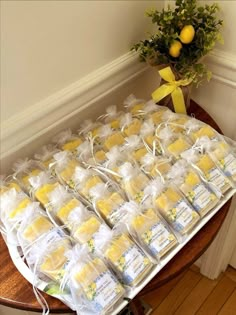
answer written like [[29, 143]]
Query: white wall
[[47, 45]]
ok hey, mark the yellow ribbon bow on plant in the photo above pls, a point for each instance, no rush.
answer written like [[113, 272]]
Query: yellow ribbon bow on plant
[[173, 88]]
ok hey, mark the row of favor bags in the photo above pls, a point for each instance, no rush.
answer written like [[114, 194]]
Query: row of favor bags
[[113, 199]]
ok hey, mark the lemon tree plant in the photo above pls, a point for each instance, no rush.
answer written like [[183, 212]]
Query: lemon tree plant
[[184, 35]]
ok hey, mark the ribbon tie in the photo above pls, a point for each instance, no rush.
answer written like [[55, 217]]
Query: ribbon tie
[[173, 88]]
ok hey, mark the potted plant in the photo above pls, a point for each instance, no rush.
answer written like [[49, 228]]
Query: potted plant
[[185, 34]]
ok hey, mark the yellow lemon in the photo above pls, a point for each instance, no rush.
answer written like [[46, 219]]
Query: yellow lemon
[[187, 34], [175, 48]]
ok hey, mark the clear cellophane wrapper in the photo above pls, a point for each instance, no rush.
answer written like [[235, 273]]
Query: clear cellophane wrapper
[[130, 125], [13, 206], [34, 224], [65, 167], [135, 148], [90, 154], [196, 129], [46, 256], [123, 255], [208, 170], [112, 117], [107, 200], [67, 141], [149, 230], [134, 105], [94, 287], [176, 122], [173, 143], [172, 205], [197, 192], [113, 160], [75, 217], [222, 154], [133, 181], [149, 138], [24, 169], [156, 166], [45, 156], [108, 138], [42, 185], [89, 129]]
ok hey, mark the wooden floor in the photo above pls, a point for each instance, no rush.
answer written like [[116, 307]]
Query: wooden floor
[[191, 293]]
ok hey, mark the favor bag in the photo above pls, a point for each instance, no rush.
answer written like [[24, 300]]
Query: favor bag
[[127, 260]]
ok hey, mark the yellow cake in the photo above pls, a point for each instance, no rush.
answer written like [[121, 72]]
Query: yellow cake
[[212, 173], [129, 261], [176, 211], [91, 182], [197, 194], [68, 171], [136, 108], [114, 139], [85, 231], [37, 227], [157, 116], [41, 194], [20, 207], [108, 206], [25, 178], [203, 131], [152, 232], [134, 187], [72, 145], [133, 128], [161, 168], [138, 154], [53, 264], [225, 159], [178, 146], [66, 209], [99, 285]]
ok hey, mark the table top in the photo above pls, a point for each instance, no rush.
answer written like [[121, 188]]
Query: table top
[[16, 291]]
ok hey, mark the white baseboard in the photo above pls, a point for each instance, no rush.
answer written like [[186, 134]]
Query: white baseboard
[[223, 67], [25, 126]]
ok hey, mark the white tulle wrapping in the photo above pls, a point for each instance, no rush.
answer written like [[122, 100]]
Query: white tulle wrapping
[[58, 196], [150, 106], [61, 158], [81, 174], [131, 101], [62, 137], [133, 142], [114, 155], [190, 155], [148, 159], [154, 188], [169, 116], [99, 191], [165, 134], [126, 120], [178, 170], [39, 180], [111, 111], [105, 131], [127, 171], [46, 152], [204, 144], [21, 165], [147, 128]]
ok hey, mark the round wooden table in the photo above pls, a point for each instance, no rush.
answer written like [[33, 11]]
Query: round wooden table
[[16, 292]]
